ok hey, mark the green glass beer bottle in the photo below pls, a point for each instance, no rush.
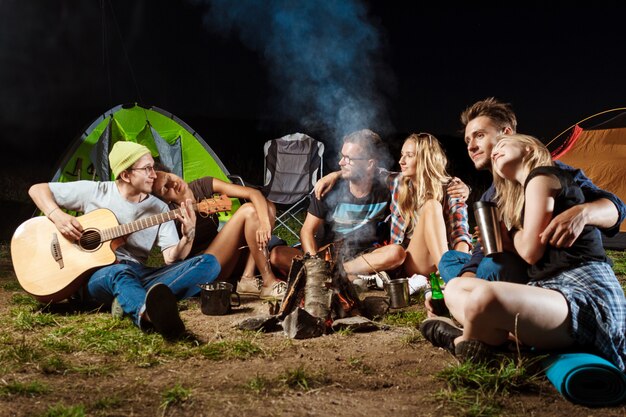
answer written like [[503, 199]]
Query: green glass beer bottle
[[437, 302]]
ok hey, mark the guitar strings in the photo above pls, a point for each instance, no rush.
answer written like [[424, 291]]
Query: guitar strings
[[91, 236]]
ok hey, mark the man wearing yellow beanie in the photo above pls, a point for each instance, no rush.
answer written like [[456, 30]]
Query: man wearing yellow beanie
[[148, 295], [124, 154]]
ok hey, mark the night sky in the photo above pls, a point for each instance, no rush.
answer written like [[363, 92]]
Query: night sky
[[242, 72]]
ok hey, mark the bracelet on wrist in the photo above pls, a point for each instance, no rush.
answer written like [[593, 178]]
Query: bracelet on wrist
[[53, 210]]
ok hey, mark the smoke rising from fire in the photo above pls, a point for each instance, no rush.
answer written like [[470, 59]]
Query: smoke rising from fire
[[324, 59]]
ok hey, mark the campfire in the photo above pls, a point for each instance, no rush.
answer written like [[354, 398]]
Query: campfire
[[320, 299]]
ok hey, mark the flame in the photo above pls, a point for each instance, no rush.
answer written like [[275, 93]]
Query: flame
[[346, 303]]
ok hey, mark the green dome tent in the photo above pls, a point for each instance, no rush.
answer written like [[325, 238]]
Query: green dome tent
[[170, 140]]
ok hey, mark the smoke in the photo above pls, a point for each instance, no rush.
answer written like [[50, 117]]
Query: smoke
[[324, 58]]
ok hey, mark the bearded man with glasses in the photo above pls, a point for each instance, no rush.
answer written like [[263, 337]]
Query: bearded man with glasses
[[353, 213], [148, 295]]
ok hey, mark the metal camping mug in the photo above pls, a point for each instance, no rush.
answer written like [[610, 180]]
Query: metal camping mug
[[216, 299], [398, 292], [486, 215]]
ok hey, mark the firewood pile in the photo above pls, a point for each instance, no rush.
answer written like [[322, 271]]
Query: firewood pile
[[320, 300]]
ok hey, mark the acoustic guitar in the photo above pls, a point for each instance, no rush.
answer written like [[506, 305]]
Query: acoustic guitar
[[51, 268]]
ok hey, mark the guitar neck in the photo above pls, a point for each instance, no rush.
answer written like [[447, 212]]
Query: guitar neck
[[128, 228]]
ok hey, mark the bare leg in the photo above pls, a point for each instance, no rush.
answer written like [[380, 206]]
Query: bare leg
[[429, 241], [280, 259], [456, 293], [240, 230], [250, 268], [381, 259], [493, 310]]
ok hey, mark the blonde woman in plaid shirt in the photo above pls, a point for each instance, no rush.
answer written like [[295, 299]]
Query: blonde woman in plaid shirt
[[419, 201]]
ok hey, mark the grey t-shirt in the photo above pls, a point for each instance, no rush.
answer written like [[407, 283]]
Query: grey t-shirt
[[86, 196]]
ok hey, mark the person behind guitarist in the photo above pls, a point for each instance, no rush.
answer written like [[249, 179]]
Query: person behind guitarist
[[250, 226], [148, 295]]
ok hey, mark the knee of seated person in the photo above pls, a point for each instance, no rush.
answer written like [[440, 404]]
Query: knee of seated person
[[451, 286], [451, 263], [246, 209], [456, 286], [281, 256], [207, 260], [276, 255], [480, 300], [397, 255]]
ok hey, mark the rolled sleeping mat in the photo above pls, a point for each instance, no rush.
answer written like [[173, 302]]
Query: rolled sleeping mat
[[586, 379]]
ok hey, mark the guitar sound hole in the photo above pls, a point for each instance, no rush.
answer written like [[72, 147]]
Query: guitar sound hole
[[90, 240]]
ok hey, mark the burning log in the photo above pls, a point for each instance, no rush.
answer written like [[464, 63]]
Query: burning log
[[347, 301], [295, 287], [319, 293], [317, 289]]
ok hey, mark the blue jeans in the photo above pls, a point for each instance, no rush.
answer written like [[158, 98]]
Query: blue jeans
[[130, 281], [505, 266]]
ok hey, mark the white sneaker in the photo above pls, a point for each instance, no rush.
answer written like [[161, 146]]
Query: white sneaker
[[360, 284], [416, 283], [372, 281]]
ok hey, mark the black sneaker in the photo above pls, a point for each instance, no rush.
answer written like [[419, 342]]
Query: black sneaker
[[475, 351], [162, 311], [441, 332]]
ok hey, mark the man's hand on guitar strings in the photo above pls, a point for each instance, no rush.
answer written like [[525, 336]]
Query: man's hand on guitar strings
[[67, 225]]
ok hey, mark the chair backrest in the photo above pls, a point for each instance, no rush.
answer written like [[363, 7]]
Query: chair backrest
[[292, 166]]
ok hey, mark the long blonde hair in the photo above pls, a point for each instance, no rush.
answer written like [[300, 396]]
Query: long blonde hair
[[429, 180], [510, 193]]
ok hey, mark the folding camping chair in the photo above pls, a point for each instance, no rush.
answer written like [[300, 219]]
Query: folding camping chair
[[292, 166]]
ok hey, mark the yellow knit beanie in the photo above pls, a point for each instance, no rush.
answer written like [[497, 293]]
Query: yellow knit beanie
[[124, 155]]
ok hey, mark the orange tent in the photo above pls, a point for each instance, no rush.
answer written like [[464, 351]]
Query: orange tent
[[598, 147]]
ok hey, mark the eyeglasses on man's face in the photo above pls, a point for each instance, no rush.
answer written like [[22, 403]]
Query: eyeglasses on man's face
[[148, 169], [349, 159]]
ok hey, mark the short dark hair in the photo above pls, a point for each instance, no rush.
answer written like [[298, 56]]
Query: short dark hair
[[501, 114], [158, 166], [370, 142]]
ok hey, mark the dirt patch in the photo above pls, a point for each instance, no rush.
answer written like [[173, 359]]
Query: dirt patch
[[385, 372]]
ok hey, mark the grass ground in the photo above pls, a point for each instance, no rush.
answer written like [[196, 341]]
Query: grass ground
[[66, 361]]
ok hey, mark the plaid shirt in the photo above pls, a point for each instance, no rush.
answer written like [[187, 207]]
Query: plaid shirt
[[457, 223]]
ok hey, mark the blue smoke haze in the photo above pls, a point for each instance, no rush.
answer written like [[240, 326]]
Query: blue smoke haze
[[325, 59]]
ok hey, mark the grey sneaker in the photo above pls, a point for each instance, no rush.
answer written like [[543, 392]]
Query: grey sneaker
[[275, 292], [250, 286], [116, 309], [441, 332]]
